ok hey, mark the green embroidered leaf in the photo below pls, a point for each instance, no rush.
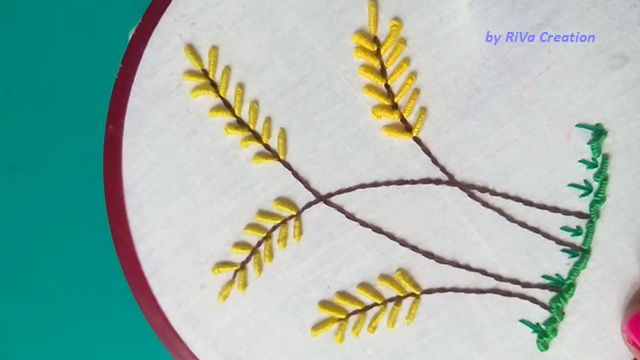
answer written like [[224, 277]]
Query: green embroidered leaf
[[590, 164], [586, 189], [571, 253], [577, 231], [587, 127], [535, 327], [555, 281]]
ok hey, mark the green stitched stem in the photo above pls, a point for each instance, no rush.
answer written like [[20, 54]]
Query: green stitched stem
[[548, 330]]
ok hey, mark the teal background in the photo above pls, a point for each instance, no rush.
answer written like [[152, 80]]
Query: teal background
[[63, 294]]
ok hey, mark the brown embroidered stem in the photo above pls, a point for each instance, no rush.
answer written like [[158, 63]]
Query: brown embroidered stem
[[349, 215], [467, 190]]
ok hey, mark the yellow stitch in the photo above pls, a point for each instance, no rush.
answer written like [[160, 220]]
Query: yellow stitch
[[194, 76], [235, 129], [393, 314], [256, 230], [297, 229], [268, 217], [413, 310], [193, 56], [406, 86], [224, 81], [395, 27], [375, 320], [369, 291], [254, 110], [282, 143], [396, 131], [340, 332], [399, 70], [282, 236], [285, 205], [400, 46], [268, 250], [359, 324], [220, 111], [372, 74], [238, 99], [224, 293], [241, 247], [407, 281], [332, 309], [346, 299], [363, 39], [263, 157], [322, 326], [203, 90], [373, 16], [420, 120], [242, 279], [213, 61], [391, 284], [249, 141], [411, 103], [376, 93], [385, 112], [223, 267], [366, 55], [266, 130], [257, 263]]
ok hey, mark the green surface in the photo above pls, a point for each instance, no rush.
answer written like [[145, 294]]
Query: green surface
[[63, 294]]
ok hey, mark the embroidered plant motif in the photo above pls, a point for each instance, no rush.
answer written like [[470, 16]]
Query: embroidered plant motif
[[396, 100]]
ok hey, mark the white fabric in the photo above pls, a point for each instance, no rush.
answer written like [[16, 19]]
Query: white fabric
[[500, 115]]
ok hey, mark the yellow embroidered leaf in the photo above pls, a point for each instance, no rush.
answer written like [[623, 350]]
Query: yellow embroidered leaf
[[238, 100], [396, 130], [282, 143], [376, 93], [366, 55], [241, 247], [285, 205], [249, 141], [257, 263], [254, 110], [359, 324], [194, 76], [406, 86], [223, 267], [263, 157], [399, 70], [411, 103], [332, 309], [420, 119], [266, 130], [413, 310], [375, 320], [395, 53], [220, 111], [340, 332], [213, 61], [391, 283], [193, 56], [322, 326], [372, 74], [235, 129], [385, 112], [346, 299], [393, 314], [256, 230], [242, 279], [373, 16], [363, 39], [395, 27], [282, 236], [369, 291], [224, 80], [203, 90], [269, 217], [224, 293], [268, 250], [297, 228], [407, 281]]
